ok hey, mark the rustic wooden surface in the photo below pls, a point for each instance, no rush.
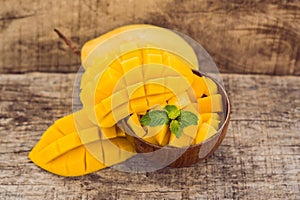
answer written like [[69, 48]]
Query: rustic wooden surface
[[256, 44], [243, 36], [259, 158]]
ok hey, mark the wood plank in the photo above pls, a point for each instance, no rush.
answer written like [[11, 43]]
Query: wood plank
[[261, 37], [259, 158]]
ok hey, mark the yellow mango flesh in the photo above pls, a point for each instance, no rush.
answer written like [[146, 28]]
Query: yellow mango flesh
[[156, 93], [214, 123], [210, 104], [61, 149], [206, 116], [211, 87], [58, 144], [134, 124], [139, 97], [199, 86], [204, 132], [182, 141]]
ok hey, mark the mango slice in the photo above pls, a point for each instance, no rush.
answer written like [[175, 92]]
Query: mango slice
[[206, 116], [134, 124], [199, 85], [62, 151], [214, 123], [139, 105], [210, 104], [183, 141], [205, 131], [60, 148], [211, 88]]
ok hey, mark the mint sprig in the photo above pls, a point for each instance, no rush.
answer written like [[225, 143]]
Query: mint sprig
[[172, 111], [176, 128], [172, 116], [187, 118], [155, 118]]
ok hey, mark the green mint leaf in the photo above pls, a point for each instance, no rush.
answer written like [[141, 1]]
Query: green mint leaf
[[158, 117], [145, 120], [172, 111], [154, 118], [175, 128], [187, 118]]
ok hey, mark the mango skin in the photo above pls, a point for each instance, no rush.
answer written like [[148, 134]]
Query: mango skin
[[91, 44]]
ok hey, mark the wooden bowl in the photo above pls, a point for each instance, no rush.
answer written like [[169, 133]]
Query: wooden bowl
[[180, 157]]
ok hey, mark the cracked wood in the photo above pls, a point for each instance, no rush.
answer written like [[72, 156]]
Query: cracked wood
[[257, 37], [259, 158]]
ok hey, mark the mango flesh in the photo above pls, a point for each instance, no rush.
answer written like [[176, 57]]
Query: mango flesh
[[62, 151], [140, 97], [68, 147], [53, 155], [204, 132]]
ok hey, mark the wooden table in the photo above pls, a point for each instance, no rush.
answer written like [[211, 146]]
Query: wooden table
[[258, 159]]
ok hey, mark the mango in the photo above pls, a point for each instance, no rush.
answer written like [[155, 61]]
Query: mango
[[204, 132], [134, 124], [58, 144], [90, 45], [139, 105], [214, 123], [211, 88], [127, 80], [206, 116], [210, 104], [199, 86], [183, 141]]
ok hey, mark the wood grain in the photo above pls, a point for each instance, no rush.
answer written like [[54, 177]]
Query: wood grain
[[259, 37], [258, 159]]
